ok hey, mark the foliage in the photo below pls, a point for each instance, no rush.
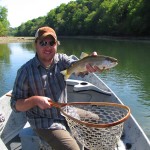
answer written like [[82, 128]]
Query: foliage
[[4, 24], [95, 18]]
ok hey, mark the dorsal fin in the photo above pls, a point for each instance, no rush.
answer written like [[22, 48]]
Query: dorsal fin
[[83, 54]]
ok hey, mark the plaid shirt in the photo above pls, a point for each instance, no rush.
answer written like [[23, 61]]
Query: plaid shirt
[[34, 79]]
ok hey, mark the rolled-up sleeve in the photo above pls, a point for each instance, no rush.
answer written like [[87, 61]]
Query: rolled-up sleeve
[[67, 61], [13, 105], [20, 88]]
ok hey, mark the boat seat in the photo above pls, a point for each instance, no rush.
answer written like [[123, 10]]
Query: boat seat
[[85, 86]]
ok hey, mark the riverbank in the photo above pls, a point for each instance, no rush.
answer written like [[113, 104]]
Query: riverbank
[[115, 38], [11, 39]]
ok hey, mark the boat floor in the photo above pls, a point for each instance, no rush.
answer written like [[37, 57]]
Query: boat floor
[[15, 144]]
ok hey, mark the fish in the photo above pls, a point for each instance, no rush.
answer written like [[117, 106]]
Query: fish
[[80, 114], [86, 114], [101, 61]]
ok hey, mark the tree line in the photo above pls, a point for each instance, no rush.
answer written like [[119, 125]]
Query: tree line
[[93, 18]]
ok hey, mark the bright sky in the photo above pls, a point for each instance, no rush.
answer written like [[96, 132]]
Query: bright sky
[[20, 11]]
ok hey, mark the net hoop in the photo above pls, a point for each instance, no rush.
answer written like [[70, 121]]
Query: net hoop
[[98, 104]]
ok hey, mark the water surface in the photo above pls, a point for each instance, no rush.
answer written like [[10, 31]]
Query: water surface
[[129, 79]]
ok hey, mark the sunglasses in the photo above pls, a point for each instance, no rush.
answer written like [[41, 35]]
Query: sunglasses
[[44, 43]]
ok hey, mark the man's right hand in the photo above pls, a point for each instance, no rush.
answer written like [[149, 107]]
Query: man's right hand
[[43, 102], [33, 101]]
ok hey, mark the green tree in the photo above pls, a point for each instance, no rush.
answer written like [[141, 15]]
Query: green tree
[[4, 24], [94, 17]]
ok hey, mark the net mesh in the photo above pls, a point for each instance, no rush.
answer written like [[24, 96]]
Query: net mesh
[[97, 126]]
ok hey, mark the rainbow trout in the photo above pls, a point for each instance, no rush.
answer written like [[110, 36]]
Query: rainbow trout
[[101, 61]]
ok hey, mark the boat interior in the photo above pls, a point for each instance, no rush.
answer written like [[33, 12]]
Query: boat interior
[[16, 133]]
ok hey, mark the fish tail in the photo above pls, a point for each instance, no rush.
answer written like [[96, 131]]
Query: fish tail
[[65, 73]]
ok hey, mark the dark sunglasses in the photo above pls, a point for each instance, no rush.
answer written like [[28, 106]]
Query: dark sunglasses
[[44, 43]]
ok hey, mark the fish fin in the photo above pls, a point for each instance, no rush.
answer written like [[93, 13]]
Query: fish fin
[[65, 73], [83, 54]]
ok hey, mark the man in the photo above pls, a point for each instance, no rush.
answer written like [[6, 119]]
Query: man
[[39, 82]]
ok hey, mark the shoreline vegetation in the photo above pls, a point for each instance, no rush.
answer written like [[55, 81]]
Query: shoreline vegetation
[[11, 39], [118, 20]]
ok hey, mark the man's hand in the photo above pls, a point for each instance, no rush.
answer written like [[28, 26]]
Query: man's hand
[[43, 102], [92, 69], [33, 101]]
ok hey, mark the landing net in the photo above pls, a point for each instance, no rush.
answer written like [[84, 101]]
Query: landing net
[[96, 125]]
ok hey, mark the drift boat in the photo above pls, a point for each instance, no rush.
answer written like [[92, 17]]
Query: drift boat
[[16, 133]]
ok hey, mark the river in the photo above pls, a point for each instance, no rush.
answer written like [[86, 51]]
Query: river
[[129, 79]]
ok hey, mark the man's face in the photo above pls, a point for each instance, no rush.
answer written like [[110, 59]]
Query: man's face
[[46, 49]]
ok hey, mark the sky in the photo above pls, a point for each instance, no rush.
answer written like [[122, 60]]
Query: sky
[[20, 11]]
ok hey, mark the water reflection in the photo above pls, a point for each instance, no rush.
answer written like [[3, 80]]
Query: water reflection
[[4, 63], [4, 54], [12, 56], [27, 46], [129, 79]]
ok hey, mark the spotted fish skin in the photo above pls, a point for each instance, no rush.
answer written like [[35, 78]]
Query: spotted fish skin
[[101, 61]]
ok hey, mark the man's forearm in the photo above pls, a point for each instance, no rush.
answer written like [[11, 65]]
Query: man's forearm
[[25, 104]]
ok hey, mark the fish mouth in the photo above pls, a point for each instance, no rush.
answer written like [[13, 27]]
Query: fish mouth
[[115, 63]]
